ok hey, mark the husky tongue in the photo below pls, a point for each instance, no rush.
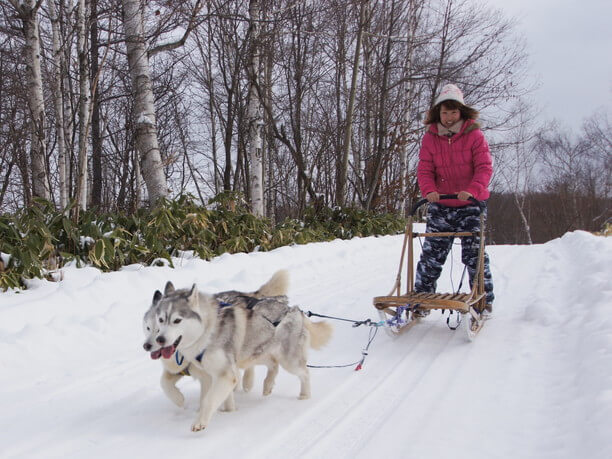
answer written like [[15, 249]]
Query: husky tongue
[[167, 352], [156, 354]]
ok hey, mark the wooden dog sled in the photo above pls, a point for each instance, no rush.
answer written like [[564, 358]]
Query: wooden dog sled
[[398, 308]]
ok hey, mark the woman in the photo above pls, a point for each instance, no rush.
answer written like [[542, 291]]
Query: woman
[[454, 159]]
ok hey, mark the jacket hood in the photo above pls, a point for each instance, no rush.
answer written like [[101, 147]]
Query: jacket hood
[[468, 126]]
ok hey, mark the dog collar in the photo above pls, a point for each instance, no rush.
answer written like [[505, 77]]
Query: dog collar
[[200, 355]]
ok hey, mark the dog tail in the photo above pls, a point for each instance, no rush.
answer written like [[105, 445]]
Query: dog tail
[[320, 332], [278, 285]]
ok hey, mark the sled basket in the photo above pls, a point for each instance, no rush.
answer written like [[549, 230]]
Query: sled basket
[[456, 301]]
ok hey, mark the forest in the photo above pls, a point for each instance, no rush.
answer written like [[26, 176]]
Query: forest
[[117, 105]]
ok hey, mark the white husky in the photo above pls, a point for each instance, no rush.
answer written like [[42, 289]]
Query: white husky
[[175, 366], [220, 340]]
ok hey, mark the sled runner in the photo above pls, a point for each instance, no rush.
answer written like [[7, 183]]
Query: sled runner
[[401, 310]]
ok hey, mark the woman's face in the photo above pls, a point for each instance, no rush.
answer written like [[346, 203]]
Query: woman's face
[[449, 116]]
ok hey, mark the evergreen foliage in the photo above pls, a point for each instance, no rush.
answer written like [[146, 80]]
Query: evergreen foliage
[[39, 239]]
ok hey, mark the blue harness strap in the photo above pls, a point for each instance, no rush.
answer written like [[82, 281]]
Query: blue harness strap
[[185, 371]]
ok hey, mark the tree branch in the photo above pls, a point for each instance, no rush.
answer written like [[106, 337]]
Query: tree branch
[[177, 44]]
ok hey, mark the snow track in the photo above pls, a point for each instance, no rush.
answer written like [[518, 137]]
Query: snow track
[[535, 383]]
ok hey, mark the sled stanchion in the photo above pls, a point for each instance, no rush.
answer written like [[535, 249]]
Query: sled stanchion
[[410, 273]]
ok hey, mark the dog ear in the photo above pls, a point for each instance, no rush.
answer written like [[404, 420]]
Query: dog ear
[[157, 296], [193, 296], [169, 288]]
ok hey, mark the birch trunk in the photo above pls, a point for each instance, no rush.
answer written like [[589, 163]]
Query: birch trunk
[[144, 104], [520, 205], [269, 146], [28, 13], [342, 174], [409, 90], [58, 99], [254, 114], [138, 182], [84, 102]]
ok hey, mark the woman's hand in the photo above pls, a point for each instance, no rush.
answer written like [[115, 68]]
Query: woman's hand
[[464, 195], [434, 196]]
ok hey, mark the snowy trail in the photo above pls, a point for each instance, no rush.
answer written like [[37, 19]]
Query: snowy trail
[[536, 382]]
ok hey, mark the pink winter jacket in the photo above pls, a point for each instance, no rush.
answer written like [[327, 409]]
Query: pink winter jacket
[[459, 163]]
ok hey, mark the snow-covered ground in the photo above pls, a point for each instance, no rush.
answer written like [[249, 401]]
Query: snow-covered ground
[[536, 383]]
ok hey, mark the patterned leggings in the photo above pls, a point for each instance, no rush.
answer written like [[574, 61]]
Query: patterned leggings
[[435, 249]]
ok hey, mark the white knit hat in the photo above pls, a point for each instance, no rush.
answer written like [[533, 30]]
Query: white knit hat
[[450, 92]]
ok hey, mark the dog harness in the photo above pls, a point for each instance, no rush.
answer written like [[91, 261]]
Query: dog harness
[[184, 371], [251, 302]]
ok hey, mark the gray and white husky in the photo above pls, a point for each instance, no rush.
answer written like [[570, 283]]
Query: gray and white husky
[[219, 340], [175, 366]]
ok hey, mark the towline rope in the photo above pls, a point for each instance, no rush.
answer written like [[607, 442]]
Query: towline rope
[[364, 353], [356, 323], [374, 326]]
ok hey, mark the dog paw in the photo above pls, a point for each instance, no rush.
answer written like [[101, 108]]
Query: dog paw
[[267, 387], [196, 427], [304, 397]]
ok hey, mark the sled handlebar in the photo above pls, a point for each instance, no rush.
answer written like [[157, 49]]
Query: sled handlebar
[[419, 203]]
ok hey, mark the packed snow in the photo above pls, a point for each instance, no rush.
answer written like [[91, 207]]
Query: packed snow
[[535, 383]]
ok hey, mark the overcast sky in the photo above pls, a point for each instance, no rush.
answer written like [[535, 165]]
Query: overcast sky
[[570, 47]]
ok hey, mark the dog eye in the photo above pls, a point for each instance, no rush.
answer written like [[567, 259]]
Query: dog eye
[[177, 321], [161, 321], [148, 328]]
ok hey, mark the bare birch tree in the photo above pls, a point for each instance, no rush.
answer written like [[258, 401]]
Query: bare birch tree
[[84, 102], [254, 113], [343, 163], [144, 103], [408, 138], [58, 66], [519, 163], [28, 14]]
